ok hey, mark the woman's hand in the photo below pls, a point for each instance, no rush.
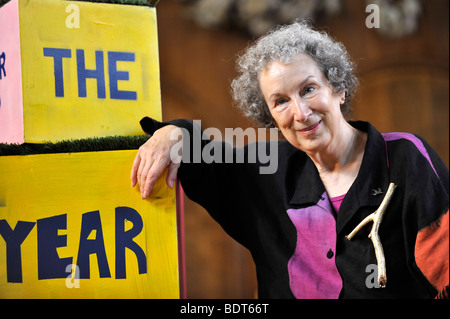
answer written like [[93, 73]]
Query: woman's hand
[[153, 158]]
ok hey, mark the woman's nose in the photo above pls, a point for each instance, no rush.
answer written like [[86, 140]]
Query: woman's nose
[[301, 110]]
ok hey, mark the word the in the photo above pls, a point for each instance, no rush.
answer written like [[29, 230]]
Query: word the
[[73, 19], [218, 152], [373, 19], [49, 264], [98, 73]]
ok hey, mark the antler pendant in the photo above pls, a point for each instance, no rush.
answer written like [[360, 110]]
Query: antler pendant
[[376, 218]]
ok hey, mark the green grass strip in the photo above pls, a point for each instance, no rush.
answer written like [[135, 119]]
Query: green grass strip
[[75, 146]]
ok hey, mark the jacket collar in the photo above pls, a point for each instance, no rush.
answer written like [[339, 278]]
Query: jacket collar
[[308, 187], [373, 178], [368, 189]]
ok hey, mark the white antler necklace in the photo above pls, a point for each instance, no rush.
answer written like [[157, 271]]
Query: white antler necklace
[[376, 218]]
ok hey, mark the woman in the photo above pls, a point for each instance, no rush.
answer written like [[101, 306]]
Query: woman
[[331, 175]]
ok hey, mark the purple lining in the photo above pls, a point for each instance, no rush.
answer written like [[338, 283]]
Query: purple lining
[[410, 137]]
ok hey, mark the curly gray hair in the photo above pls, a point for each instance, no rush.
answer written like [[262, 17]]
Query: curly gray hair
[[283, 44]]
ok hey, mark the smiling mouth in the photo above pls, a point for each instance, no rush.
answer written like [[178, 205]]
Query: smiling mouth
[[310, 129]]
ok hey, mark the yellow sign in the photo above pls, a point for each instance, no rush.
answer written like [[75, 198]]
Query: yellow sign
[[87, 69], [72, 227]]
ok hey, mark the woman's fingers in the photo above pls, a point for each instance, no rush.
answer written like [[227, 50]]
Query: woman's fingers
[[134, 170], [152, 159], [172, 174], [151, 175]]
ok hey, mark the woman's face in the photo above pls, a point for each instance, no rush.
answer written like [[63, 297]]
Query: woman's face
[[302, 103]]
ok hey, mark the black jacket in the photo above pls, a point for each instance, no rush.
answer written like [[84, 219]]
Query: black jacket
[[274, 216]]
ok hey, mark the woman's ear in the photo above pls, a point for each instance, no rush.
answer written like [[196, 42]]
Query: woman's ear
[[342, 98]]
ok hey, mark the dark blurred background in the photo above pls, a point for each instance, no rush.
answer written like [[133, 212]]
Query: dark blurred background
[[403, 68]]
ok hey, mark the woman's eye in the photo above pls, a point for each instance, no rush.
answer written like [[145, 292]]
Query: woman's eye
[[308, 89], [280, 101]]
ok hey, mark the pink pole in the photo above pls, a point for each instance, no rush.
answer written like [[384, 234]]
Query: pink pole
[[181, 252]]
